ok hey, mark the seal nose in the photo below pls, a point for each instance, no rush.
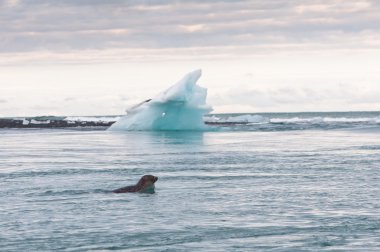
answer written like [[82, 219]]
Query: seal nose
[[155, 179]]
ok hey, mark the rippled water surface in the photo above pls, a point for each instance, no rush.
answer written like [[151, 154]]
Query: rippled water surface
[[307, 190]]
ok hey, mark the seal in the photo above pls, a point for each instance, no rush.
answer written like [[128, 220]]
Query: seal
[[145, 185]]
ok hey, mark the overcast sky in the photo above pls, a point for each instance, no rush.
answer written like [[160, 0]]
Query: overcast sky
[[97, 57]]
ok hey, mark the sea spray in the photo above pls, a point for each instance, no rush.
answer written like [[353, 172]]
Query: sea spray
[[181, 107]]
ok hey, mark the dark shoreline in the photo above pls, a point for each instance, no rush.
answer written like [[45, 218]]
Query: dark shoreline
[[103, 122], [50, 124], [6, 123]]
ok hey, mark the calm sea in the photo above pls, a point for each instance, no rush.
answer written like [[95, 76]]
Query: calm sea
[[268, 182]]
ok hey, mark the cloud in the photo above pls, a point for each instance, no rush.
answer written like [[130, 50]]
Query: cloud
[[100, 25], [241, 41], [334, 7], [344, 97], [70, 99]]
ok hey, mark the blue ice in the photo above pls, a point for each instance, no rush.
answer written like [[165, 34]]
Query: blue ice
[[180, 107]]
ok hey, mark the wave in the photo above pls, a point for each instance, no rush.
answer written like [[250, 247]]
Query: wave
[[280, 122], [261, 119], [325, 120], [92, 118], [370, 147], [240, 119], [249, 119]]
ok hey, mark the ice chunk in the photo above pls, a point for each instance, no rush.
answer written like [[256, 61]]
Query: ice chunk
[[181, 107]]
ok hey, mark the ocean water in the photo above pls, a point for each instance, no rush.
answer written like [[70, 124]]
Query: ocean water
[[272, 182]]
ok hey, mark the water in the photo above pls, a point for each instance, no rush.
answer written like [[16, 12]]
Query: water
[[231, 189]]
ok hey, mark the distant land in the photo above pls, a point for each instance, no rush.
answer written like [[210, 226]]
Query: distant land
[[52, 122], [251, 121]]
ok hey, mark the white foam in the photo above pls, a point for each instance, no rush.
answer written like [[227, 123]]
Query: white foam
[[315, 120], [351, 120], [258, 119], [92, 118], [39, 122], [237, 119], [297, 120]]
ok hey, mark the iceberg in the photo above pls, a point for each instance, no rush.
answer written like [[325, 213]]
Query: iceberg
[[180, 107]]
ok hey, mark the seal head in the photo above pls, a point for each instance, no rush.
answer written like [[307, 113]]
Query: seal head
[[145, 185]]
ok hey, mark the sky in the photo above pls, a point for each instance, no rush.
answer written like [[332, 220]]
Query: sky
[[98, 57]]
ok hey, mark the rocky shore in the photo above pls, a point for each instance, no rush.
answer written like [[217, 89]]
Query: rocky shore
[[61, 122], [32, 123]]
